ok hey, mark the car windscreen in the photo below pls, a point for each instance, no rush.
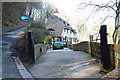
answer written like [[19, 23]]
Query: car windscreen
[[58, 42]]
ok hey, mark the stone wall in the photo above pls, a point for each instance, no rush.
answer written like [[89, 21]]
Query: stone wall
[[118, 55], [40, 49], [22, 47], [83, 46], [114, 50]]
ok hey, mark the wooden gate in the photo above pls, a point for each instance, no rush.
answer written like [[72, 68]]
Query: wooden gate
[[95, 46], [99, 47]]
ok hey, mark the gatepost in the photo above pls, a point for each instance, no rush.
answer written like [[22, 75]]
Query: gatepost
[[31, 47], [104, 48]]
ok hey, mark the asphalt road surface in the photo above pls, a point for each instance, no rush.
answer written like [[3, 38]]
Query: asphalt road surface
[[65, 64], [9, 68]]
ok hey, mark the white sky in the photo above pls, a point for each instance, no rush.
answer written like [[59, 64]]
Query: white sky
[[70, 9]]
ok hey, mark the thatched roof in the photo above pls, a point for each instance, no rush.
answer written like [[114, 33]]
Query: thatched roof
[[58, 25]]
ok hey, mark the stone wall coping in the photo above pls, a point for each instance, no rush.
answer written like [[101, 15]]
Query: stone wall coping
[[114, 74], [119, 56]]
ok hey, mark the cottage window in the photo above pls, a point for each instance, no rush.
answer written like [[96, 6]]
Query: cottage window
[[64, 30], [67, 30]]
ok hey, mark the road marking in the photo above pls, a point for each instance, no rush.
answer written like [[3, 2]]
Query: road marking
[[4, 45], [8, 52]]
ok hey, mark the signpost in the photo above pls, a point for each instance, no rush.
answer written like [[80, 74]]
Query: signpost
[[24, 18]]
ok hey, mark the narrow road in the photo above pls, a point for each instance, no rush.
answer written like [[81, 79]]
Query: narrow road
[[9, 68], [65, 64]]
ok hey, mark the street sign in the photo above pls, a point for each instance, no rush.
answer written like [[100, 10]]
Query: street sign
[[24, 18]]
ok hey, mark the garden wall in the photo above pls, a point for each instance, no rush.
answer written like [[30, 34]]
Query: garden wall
[[40, 49], [93, 49]]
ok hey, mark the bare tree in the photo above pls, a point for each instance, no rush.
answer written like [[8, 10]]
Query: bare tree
[[112, 6], [38, 11], [81, 29]]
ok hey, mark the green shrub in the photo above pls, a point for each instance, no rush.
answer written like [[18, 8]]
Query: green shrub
[[105, 71], [36, 25], [39, 35], [48, 40]]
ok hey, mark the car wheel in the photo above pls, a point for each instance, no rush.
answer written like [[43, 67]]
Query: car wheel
[[53, 48], [62, 48]]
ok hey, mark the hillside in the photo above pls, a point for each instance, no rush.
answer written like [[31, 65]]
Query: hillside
[[11, 12]]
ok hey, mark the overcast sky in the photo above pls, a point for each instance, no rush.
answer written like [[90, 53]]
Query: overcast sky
[[76, 14], [70, 8]]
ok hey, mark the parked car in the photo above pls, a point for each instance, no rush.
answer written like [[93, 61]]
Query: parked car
[[58, 45]]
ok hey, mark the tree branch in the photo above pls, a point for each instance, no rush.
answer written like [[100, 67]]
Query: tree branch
[[104, 6]]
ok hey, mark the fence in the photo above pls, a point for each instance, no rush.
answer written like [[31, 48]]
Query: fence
[[95, 46], [98, 48], [112, 48]]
